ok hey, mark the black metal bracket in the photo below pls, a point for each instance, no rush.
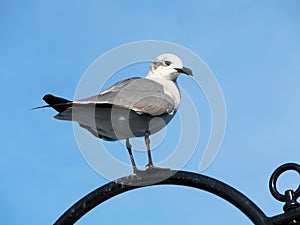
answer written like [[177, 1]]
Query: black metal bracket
[[291, 215]]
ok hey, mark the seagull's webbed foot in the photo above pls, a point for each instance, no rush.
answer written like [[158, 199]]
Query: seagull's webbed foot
[[150, 166]]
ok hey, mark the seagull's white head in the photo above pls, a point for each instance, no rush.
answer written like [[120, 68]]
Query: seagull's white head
[[168, 66]]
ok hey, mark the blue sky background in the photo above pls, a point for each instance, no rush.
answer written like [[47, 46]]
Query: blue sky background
[[45, 46]]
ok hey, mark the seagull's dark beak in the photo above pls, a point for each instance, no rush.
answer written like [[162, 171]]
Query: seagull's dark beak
[[185, 70]]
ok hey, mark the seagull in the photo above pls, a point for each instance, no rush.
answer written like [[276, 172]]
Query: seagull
[[128, 108]]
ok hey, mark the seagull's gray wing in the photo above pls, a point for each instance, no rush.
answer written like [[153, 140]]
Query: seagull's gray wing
[[138, 94]]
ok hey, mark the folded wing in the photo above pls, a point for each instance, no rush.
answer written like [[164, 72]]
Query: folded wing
[[138, 94]]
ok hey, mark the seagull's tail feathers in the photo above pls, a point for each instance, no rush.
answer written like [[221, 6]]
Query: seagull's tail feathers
[[59, 104]]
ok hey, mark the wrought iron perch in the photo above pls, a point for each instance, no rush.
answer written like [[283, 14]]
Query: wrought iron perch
[[290, 216]]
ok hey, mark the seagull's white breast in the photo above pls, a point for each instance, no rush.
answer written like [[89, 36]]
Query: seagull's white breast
[[170, 88]]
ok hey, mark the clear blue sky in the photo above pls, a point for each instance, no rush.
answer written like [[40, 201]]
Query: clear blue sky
[[45, 46]]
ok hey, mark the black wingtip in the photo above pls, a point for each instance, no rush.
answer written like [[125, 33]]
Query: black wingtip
[[52, 100], [59, 104], [47, 97]]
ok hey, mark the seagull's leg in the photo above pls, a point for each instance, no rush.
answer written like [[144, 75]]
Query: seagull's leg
[[128, 146], [147, 141]]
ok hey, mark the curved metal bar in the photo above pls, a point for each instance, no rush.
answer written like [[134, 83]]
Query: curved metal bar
[[161, 177]]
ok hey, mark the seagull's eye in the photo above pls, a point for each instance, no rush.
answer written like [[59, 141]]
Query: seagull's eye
[[168, 63]]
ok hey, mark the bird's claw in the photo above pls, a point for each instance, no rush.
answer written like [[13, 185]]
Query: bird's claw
[[150, 166]]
